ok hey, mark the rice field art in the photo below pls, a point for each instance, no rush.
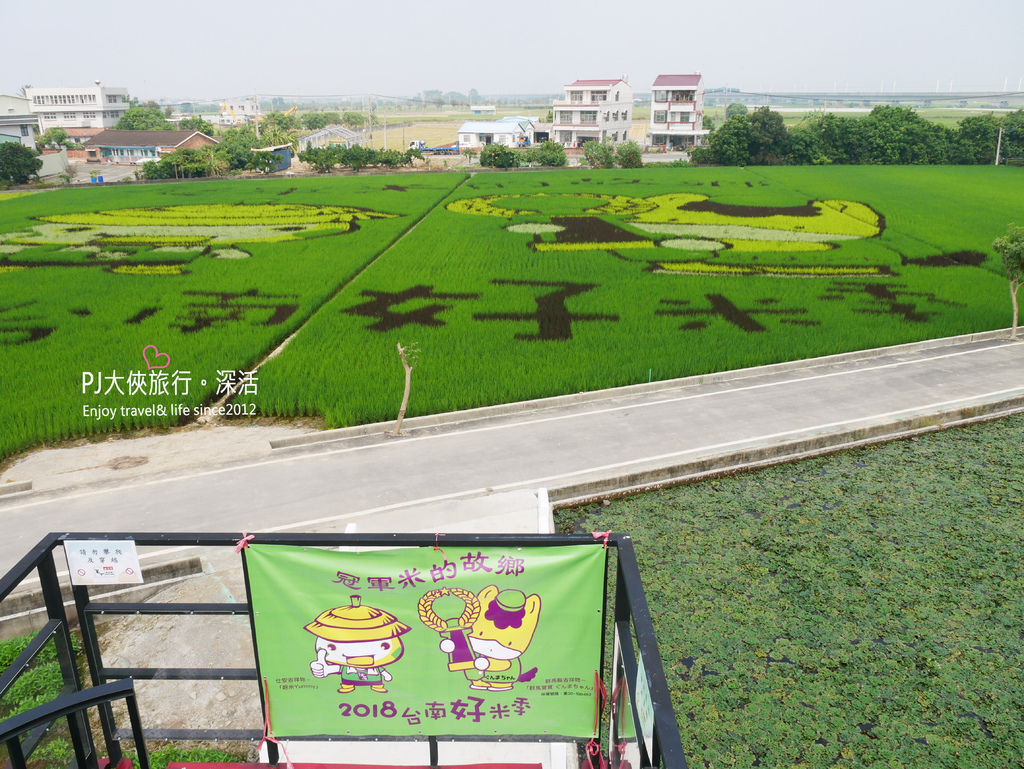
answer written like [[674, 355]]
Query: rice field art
[[213, 276], [522, 286], [512, 285]]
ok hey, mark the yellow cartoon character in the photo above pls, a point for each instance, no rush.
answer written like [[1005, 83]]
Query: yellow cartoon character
[[356, 642], [499, 636]]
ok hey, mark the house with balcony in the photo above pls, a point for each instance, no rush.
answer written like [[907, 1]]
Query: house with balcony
[[677, 112], [593, 110], [94, 106]]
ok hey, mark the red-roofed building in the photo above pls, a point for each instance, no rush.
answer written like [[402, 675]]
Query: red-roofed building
[[677, 112], [593, 110]]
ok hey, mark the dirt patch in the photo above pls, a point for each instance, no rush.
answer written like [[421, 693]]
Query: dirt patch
[[955, 259], [590, 229], [141, 315], [380, 303], [725, 209], [123, 463]]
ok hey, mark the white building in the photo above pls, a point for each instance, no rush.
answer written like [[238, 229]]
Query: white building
[[94, 106], [677, 112], [238, 111], [515, 131], [17, 123], [593, 110]]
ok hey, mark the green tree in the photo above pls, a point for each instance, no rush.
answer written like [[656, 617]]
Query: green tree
[[236, 146], [736, 108], [357, 157], [975, 140], [629, 155], [769, 140], [898, 135], [196, 123], [264, 162], [1013, 135], [498, 156], [1011, 247], [729, 145], [352, 120], [391, 158], [314, 121], [143, 119], [18, 163], [599, 154], [54, 137], [323, 159], [280, 121], [550, 153]]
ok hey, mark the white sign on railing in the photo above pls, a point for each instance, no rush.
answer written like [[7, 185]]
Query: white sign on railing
[[102, 562]]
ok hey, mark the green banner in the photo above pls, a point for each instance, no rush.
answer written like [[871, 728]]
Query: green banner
[[420, 641]]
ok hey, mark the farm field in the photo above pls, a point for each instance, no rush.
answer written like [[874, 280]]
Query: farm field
[[214, 275], [529, 285], [856, 610], [512, 286]]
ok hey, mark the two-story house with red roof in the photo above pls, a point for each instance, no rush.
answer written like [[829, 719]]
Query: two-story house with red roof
[[593, 110]]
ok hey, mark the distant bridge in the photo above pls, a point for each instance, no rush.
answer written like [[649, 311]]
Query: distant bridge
[[867, 97]]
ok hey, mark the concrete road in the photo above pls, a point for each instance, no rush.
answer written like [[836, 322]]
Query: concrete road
[[441, 477]]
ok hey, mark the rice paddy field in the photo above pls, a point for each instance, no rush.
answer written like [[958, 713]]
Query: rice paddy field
[[511, 285], [857, 610]]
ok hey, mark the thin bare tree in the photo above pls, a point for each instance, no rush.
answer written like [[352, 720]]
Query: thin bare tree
[[409, 355]]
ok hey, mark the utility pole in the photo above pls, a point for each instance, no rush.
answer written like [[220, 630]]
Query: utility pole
[[999, 144]]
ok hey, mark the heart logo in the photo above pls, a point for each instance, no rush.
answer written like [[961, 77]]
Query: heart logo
[[160, 359]]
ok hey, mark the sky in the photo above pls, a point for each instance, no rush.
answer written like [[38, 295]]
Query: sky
[[191, 50]]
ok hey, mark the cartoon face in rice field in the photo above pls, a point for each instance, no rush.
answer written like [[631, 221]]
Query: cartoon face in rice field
[[357, 643], [685, 224], [113, 239]]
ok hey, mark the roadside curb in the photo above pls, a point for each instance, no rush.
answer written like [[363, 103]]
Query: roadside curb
[[505, 409], [779, 453], [18, 487]]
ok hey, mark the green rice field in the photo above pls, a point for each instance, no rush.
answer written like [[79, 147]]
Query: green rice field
[[122, 306]]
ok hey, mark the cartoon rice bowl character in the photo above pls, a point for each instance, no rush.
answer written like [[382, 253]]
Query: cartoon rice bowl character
[[499, 636], [357, 643]]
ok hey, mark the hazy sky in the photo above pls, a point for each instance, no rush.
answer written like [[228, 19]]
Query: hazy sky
[[218, 48]]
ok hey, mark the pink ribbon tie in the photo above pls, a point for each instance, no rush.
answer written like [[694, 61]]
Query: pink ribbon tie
[[244, 542]]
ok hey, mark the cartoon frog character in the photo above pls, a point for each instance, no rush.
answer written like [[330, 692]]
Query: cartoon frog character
[[498, 638], [357, 643]]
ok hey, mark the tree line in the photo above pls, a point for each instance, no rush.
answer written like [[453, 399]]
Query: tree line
[[356, 157], [886, 136]]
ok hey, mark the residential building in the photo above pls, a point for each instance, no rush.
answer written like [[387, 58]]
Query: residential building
[[677, 112], [593, 110], [94, 106], [515, 131], [113, 146], [17, 123]]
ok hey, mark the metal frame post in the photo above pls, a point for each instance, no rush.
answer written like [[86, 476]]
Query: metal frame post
[[78, 726]]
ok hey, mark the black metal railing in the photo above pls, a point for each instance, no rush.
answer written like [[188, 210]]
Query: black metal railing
[[632, 620], [74, 707]]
